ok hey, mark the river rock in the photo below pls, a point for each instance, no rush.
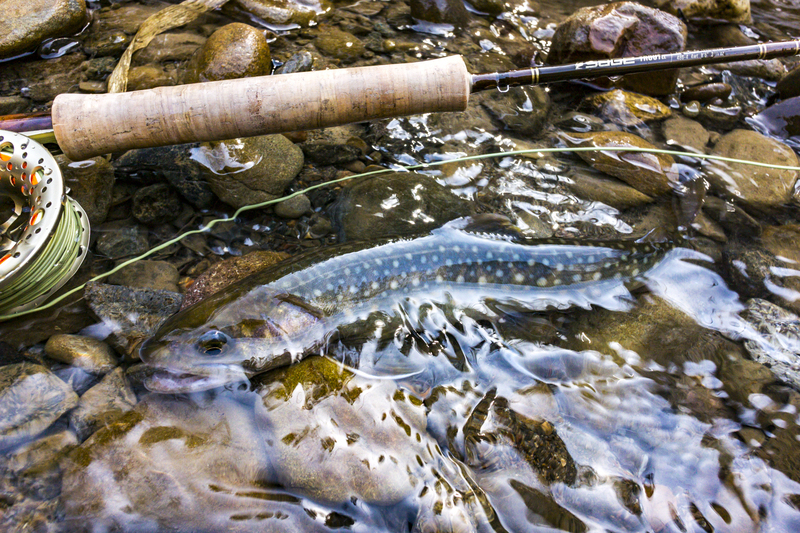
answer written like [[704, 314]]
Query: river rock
[[606, 190], [102, 404], [173, 163], [91, 355], [294, 207], [440, 11], [723, 118], [338, 44], [626, 108], [151, 76], [154, 204], [759, 187], [251, 170], [228, 271], [156, 275], [90, 183], [651, 174], [233, 51], [780, 120], [11, 105], [301, 12], [397, 203], [621, 29], [169, 47], [334, 436], [119, 239], [131, 314], [329, 153], [185, 464], [766, 69], [686, 134], [35, 466], [789, 85], [778, 344], [523, 110], [708, 11], [706, 91], [31, 398], [25, 24]]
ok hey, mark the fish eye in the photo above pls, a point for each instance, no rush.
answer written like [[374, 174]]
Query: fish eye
[[212, 342]]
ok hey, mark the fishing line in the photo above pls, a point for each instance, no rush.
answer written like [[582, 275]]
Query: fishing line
[[420, 166]]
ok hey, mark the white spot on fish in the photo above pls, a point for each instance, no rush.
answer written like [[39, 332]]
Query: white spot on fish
[[396, 263], [576, 278], [597, 276], [541, 282], [499, 273], [519, 278], [393, 285], [482, 280], [460, 279]]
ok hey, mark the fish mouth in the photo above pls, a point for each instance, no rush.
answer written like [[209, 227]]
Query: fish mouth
[[166, 381]]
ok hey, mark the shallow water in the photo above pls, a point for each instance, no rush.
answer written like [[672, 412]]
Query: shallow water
[[645, 415]]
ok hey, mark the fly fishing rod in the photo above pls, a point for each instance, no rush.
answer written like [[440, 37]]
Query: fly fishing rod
[[90, 125]]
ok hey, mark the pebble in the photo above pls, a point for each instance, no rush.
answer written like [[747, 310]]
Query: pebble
[[338, 44], [90, 183], [626, 108], [293, 207], [92, 355]]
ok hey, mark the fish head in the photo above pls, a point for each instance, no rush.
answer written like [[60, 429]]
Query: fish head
[[225, 339]]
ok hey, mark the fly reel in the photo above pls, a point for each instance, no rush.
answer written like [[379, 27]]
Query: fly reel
[[44, 234]]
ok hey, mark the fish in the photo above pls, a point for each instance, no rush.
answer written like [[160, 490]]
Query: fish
[[286, 312]]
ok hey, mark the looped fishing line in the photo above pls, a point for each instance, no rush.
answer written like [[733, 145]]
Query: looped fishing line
[[421, 166]]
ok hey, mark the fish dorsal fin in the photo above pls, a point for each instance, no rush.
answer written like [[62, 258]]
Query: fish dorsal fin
[[488, 225]]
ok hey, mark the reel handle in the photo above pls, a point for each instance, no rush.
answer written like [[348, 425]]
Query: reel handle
[[90, 125]]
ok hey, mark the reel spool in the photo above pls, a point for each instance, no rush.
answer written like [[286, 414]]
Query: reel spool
[[44, 234]]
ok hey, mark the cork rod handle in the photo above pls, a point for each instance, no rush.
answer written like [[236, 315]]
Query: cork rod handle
[[90, 125]]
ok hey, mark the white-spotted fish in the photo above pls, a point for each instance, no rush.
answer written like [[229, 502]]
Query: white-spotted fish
[[286, 312]]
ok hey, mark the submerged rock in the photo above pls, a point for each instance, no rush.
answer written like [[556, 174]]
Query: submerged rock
[[31, 398], [182, 464], [338, 44], [251, 170], [626, 108], [440, 11], [102, 404], [761, 187], [649, 173], [90, 183], [145, 274], [91, 355], [778, 345], [397, 203], [606, 190], [119, 239], [781, 119], [301, 12], [131, 314], [706, 91], [337, 437], [154, 204], [233, 51], [523, 110], [621, 29], [26, 24], [686, 133]]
